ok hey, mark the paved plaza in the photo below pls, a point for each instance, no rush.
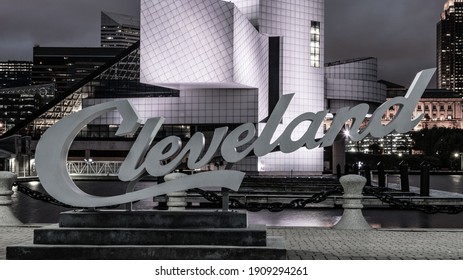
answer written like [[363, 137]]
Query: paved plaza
[[403, 244], [327, 244]]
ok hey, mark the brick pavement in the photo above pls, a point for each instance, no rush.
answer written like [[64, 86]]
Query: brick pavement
[[14, 235], [327, 244]]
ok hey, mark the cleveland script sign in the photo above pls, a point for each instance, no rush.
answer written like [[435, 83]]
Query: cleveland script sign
[[53, 147]]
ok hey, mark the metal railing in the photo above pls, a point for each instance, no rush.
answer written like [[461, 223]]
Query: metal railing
[[89, 167]]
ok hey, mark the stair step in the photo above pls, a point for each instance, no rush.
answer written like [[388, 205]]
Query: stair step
[[275, 250], [253, 235]]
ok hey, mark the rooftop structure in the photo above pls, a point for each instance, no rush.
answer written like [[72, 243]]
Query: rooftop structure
[[118, 30]]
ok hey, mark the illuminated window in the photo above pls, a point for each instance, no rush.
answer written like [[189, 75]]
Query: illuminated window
[[315, 44]]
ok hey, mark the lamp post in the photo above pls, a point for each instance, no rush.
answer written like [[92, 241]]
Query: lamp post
[[459, 155]]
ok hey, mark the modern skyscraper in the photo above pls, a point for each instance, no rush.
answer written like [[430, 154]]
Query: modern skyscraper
[[119, 31], [450, 47]]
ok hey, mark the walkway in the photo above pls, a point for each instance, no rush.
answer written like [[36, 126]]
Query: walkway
[[327, 244]]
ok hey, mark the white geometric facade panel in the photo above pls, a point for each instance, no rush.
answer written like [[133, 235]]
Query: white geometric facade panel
[[251, 9], [191, 44], [292, 20], [187, 41], [197, 106], [251, 58], [352, 82]]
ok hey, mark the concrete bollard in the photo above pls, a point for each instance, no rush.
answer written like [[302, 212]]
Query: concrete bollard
[[7, 217], [352, 218], [404, 181], [338, 171], [381, 175], [425, 178], [176, 201], [368, 174]]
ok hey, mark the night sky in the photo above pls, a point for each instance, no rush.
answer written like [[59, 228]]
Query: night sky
[[401, 33]]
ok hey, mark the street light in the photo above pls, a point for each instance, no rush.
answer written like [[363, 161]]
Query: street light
[[459, 155]]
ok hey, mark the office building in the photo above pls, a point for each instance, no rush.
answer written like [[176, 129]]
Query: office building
[[450, 47], [18, 103], [65, 66], [119, 31], [441, 108], [15, 73]]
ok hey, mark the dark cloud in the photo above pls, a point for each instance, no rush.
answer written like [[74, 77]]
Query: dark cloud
[[401, 33]]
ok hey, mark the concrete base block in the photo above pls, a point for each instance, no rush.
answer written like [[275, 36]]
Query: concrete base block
[[153, 219]]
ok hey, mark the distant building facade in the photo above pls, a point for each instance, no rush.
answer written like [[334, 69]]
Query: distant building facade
[[450, 47], [15, 73], [119, 31], [65, 66], [16, 104], [441, 108]]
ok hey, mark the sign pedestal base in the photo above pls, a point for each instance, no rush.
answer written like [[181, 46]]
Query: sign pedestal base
[[151, 235]]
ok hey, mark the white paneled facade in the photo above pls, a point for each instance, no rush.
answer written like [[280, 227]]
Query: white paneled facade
[[351, 82], [292, 21], [195, 106]]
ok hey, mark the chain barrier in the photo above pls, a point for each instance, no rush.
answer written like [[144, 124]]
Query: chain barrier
[[272, 207], [299, 203], [40, 196], [49, 199], [409, 205], [322, 196]]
